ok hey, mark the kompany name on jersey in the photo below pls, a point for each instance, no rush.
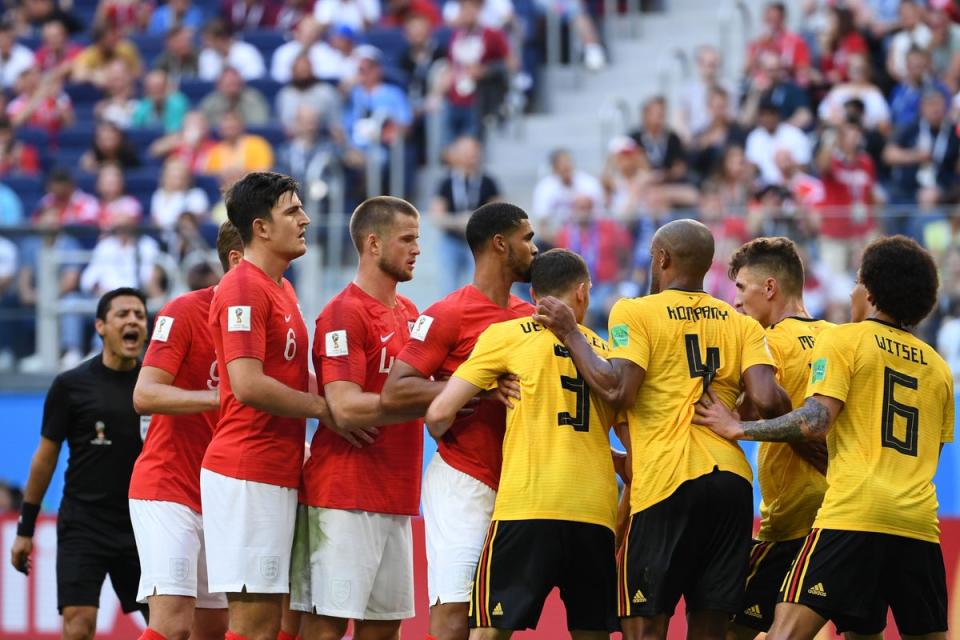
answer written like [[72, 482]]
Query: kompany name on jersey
[[336, 343], [238, 318], [161, 330], [421, 327]]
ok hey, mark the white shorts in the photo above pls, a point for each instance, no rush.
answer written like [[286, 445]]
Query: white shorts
[[352, 564], [170, 545], [456, 515], [249, 531]]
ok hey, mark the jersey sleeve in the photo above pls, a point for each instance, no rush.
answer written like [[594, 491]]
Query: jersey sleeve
[[171, 338], [340, 341], [628, 336], [831, 370], [56, 412], [946, 431], [432, 337], [488, 360], [755, 348], [243, 311]]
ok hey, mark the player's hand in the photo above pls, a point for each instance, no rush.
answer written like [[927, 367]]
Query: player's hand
[[357, 436], [508, 389], [713, 414], [556, 316], [20, 554], [814, 452]]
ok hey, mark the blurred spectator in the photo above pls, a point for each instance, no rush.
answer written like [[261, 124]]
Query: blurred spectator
[[923, 156], [65, 204], [36, 13], [175, 14], [478, 71], [465, 188], [91, 64], [789, 48], [119, 101], [804, 190], [11, 498], [11, 209], [628, 180], [945, 48], [732, 181], [9, 329], [116, 208], [309, 154], [232, 94], [123, 259], [110, 146], [912, 34], [574, 14], [606, 246], [720, 131], [768, 137], [494, 14], [14, 57], [371, 98], [40, 102], [948, 335], [849, 181], [662, 146], [356, 14], [238, 150], [291, 12], [162, 106], [192, 145], [128, 16], [15, 156], [56, 53], [305, 89], [772, 84], [176, 196], [841, 42], [695, 112], [249, 15], [554, 193], [905, 99], [221, 50], [418, 60], [396, 13], [306, 42], [874, 139], [876, 111], [179, 58], [343, 66]]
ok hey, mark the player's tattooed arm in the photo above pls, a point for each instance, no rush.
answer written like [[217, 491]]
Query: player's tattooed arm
[[812, 421]]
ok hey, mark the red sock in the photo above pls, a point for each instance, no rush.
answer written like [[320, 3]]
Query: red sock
[[150, 634], [283, 635], [230, 635]]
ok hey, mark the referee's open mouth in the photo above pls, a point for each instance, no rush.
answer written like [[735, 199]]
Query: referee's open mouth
[[131, 338]]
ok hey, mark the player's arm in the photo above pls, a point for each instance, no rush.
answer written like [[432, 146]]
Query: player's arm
[[252, 387], [811, 422], [156, 393], [354, 409], [623, 464], [406, 389], [443, 410], [765, 395], [616, 380], [41, 471]]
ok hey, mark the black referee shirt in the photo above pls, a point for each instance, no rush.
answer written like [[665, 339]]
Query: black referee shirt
[[91, 407]]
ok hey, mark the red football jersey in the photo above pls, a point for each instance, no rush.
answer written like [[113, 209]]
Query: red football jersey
[[169, 466], [251, 316], [356, 340], [440, 341]]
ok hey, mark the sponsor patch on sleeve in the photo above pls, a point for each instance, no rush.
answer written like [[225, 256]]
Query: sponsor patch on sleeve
[[819, 370], [238, 318], [336, 343], [421, 328], [620, 335], [161, 328]]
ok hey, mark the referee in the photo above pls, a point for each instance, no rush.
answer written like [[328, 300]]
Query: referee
[[91, 407]]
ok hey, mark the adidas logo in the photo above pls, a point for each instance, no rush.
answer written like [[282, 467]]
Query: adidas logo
[[498, 610], [638, 597], [753, 612], [817, 590]]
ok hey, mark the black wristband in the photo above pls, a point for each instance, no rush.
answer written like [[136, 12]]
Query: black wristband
[[28, 519]]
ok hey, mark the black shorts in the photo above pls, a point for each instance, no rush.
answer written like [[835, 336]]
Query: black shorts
[[695, 544], [523, 560], [769, 563], [91, 546], [852, 577]]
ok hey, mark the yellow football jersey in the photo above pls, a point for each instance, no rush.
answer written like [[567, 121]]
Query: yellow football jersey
[[885, 444], [684, 340], [556, 450], [791, 488]]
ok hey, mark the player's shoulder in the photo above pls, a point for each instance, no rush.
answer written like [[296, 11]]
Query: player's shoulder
[[408, 306], [520, 307], [192, 302], [81, 372]]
